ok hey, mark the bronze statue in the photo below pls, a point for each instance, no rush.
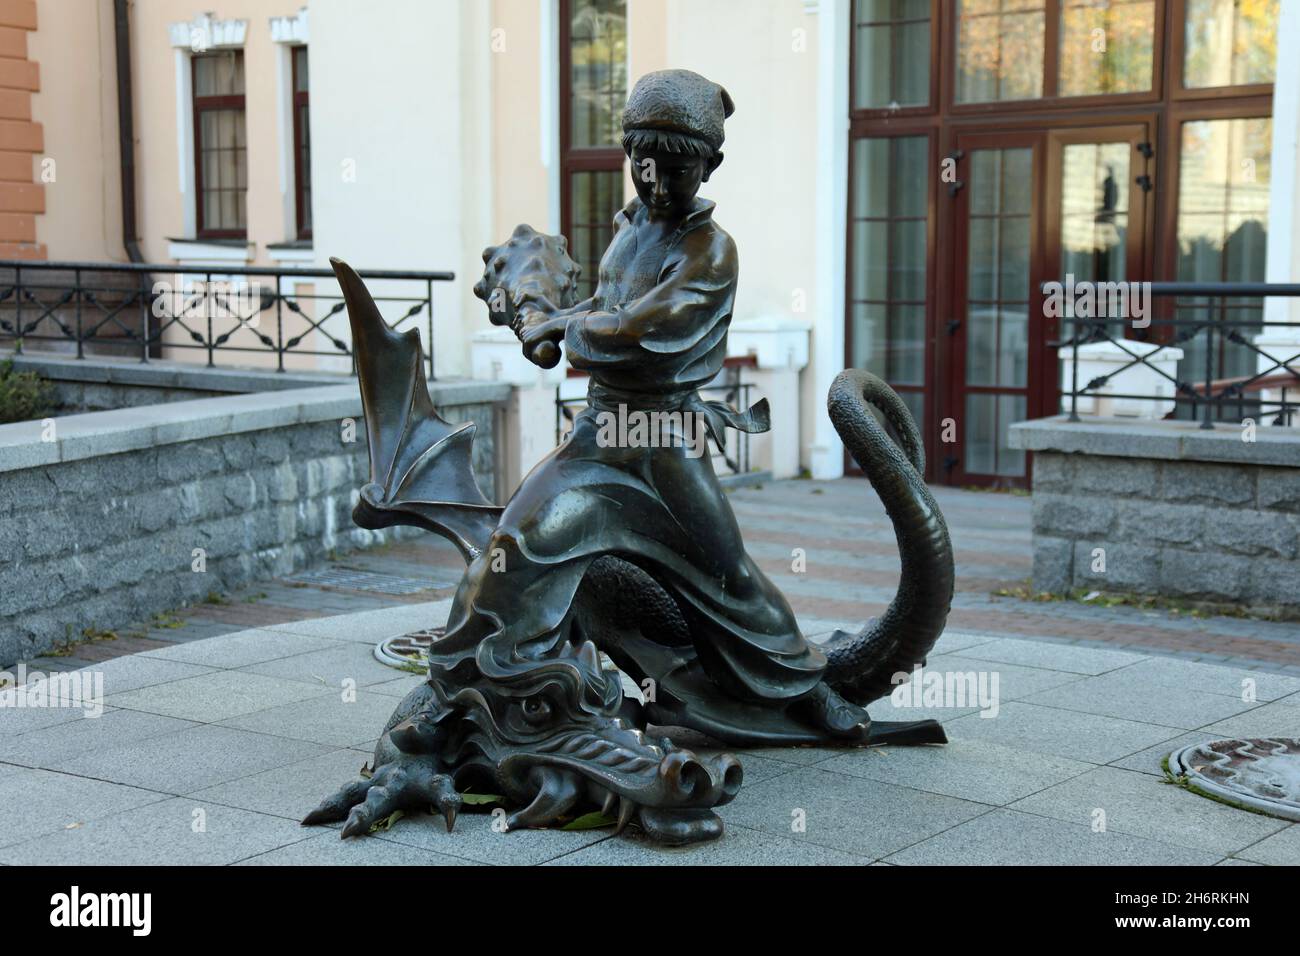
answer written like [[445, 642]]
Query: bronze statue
[[626, 546]]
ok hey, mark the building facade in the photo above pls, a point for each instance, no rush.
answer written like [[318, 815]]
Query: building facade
[[900, 175]]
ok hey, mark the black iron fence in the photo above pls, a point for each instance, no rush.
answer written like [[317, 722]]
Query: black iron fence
[[728, 389], [1223, 374], [141, 309]]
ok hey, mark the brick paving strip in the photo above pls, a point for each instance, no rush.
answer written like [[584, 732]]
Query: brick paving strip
[[850, 575]]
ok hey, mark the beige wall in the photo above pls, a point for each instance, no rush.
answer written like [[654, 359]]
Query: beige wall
[[161, 213], [77, 106], [449, 127], [765, 187]]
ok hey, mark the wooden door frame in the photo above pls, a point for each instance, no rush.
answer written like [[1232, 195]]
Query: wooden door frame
[[966, 142]]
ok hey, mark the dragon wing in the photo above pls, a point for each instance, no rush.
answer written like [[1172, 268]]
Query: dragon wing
[[420, 471]]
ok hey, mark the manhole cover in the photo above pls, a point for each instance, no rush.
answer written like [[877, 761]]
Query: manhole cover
[[408, 651], [1263, 774], [362, 581]]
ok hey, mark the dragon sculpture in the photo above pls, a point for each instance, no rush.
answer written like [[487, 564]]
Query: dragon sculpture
[[516, 702]]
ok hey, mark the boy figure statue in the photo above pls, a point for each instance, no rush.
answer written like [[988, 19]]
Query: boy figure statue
[[653, 333], [621, 539]]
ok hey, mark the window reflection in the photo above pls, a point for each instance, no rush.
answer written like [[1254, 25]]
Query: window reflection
[[887, 277], [598, 71], [999, 50], [1229, 42], [1094, 210], [1106, 46], [891, 63], [1222, 232]]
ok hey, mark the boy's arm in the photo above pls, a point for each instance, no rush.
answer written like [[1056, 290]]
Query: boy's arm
[[693, 297]]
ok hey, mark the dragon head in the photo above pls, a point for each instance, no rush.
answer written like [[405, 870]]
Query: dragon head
[[549, 738]]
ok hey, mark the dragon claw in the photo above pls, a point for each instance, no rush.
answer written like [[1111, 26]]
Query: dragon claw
[[407, 784]]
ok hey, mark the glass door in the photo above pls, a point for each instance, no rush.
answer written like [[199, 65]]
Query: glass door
[[996, 345], [1100, 189], [1034, 206]]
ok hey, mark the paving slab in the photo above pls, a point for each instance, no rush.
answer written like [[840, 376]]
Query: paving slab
[[171, 832], [1009, 838], [191, 759], [23, 720], [1118, 695], [242, 649], [329, 719], [329, 668], [367, 627], [40, 802], [970, 769], [1014, 681], [1093, 738], [51, 746], [954, 642], [1149, 759], [216, 696], [1279, 718], [1054, 656], [326, 849], [476, 839], [123, 674], [1146, 806], [398, 687], [1280, 849], [852, 814], [739, 846], [291, 790], [1208, 678]]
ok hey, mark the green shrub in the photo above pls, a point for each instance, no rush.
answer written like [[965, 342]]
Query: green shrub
[[24, 396]]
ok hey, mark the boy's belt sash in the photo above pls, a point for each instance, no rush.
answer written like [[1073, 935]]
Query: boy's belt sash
[[718, 416]]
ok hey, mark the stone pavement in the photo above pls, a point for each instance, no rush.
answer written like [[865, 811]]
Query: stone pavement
[[851, 573], [210, 751]]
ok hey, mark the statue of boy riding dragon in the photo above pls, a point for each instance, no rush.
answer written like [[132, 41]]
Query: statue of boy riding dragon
[[631, 549]]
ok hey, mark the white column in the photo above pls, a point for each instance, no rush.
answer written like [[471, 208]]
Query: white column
[[529, 432], [826, 453], [779, 345]]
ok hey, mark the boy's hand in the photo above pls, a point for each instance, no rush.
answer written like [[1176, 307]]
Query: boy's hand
[[541, 336]]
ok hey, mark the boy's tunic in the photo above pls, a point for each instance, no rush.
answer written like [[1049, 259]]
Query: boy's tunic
[[655, 332]]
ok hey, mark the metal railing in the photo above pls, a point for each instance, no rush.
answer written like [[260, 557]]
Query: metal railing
[[1206, 324], [731, 390], [143, 308]]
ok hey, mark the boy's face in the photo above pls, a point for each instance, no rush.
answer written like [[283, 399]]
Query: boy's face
[[668, 182]]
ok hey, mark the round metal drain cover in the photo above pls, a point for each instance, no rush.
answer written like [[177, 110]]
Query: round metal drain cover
[[1263, 774], [408, 652]]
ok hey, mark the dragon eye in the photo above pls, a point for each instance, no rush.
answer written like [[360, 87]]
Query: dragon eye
[[536, 709]]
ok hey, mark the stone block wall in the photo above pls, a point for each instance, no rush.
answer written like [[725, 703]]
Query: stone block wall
[[99, 528], [1207, 517]]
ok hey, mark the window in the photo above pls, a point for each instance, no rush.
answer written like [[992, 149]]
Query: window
[[1050, 138], [220, 149], [1106, 46], [887, 273], [891, 61], [1223, 182], [1229, 42], [1000, 47], [593, 91], [301, 143]]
